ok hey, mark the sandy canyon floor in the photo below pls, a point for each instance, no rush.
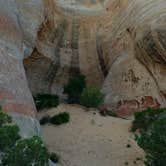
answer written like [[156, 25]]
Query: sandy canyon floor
[[91, 140]]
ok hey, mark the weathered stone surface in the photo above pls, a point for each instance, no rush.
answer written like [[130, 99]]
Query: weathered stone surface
[[28, 126], [29, 16], [137, 54], [118, 45], [19, 24], [128, 107]]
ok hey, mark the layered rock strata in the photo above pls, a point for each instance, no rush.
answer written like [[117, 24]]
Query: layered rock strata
[[118, 45]]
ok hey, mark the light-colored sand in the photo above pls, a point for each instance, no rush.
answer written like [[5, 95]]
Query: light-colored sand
[[91, 140]]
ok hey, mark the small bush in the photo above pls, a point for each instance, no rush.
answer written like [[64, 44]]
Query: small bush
[[154, 143], [54, 157], [74, 88], [60, 118], [126, 163], [27, 152], [144, 119], [4, 119], [17, 151], [9, 133], [46, 101], [44, 120], [92, 97], [8, 136]]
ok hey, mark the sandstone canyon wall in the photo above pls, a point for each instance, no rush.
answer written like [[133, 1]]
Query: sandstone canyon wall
[[135, 45], [19, 23], [119, 45]]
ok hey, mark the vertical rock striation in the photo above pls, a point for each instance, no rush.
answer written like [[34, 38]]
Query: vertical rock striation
[[118, 45]]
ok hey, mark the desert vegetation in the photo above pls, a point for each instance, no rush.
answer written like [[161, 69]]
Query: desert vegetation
[[74, 88], [151, 137], [45, 119], [18, 151], [45, 101], [92, 97], [27, 152], [79, 93], [54, 157], [154, 143], [144, 119], [58, 119]]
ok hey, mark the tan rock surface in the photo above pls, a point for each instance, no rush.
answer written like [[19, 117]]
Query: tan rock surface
[[118, 45], [19, 24]]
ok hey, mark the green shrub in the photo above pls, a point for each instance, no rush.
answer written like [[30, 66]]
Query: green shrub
[[54, 157], [154, 143], [92, 97], [27, 152], [144, 119], [60, 118], [4, 118], [8, 136], [44, 120], [126, 163], [9, 133], [74, 88], [17, 151], [46, 101]]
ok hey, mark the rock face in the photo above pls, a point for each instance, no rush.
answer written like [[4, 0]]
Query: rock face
[[19, 23], [136, 48], [118, 45]]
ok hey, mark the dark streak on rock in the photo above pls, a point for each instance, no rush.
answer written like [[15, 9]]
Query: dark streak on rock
[[152, 50], [101, 59], [162, 37], [74, 65], [55, 65]]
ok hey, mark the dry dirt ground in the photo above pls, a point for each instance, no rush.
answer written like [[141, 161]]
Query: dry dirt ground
[[91, 140]]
